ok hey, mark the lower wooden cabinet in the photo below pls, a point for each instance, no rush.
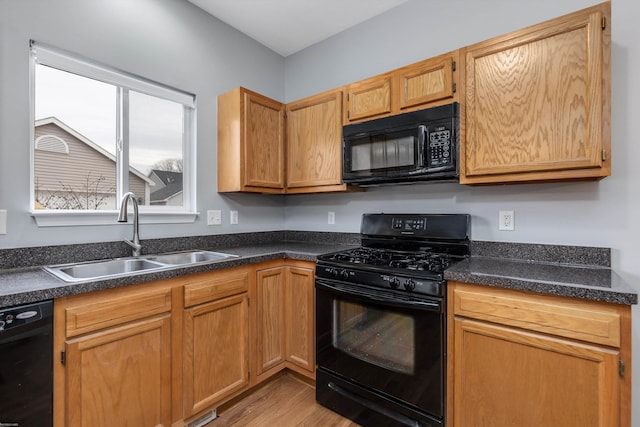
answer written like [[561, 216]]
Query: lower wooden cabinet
[[300, 318], [160, 354], [215, 338], [115, 358], [285, 318], [270, 319], [519, 359]]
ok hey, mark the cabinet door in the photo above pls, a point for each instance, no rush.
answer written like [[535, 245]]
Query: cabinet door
[[507, 377], [121, 376], [314, 141], [300, 317], [264, 141], [425, 82], [216, 352], [538, 102], [270, 285], [369, 98]]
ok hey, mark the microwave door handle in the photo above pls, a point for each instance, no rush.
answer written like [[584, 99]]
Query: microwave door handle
[[422, 148]]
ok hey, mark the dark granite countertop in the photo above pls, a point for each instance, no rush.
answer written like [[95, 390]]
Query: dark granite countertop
[[30, 284], [579, 272], [597, 283]]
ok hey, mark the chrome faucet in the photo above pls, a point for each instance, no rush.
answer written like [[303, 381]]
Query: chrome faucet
[[122, 217]]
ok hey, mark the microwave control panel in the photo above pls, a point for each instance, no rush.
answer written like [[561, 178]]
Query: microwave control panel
[[440, 149]]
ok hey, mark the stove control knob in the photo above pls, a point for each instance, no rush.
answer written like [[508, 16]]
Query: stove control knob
[[409, 285], [344, 274], [394, 282]]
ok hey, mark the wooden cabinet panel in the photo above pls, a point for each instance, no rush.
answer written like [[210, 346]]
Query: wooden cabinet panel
[[368, 98], [426, 82], [314, 142], [507, 377], [585, 321], [538, 102], [270, 318], [214, 285], [97, 313], [264, 141], [121, 376], [285, 325], [555, 360], [216, 352], [300, 317], [250, 142]]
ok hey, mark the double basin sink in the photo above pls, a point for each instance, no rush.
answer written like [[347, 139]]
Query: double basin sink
[[107, 269]]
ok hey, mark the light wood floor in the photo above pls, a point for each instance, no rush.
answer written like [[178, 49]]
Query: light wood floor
[[284, 402]]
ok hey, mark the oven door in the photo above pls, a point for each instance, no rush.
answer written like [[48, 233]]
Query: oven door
[[391, 345]]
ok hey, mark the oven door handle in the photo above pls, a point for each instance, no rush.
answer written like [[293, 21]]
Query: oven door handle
[[379, 297]]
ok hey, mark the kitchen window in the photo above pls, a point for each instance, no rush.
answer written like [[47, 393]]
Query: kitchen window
[[98, 133]]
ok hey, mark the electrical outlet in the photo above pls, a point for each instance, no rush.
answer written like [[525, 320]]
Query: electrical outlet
[[331, 218], [214, 217], [233, 217], [506, 221]]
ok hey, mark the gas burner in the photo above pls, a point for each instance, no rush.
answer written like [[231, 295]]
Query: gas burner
[[421, 261]]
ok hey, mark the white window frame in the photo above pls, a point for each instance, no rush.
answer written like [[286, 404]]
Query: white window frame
[[57, 58]]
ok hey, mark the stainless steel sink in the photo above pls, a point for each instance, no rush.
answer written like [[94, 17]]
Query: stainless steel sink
[[190, 257], [101, 269], [106, 269]]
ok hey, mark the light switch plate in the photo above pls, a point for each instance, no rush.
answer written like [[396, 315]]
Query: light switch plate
[[214, 217]]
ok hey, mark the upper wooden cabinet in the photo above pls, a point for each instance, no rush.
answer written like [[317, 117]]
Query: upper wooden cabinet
[[253, 141], [426, 82], [416, 86], [538, 102], [368, 98], [314, 144], [250, 143]]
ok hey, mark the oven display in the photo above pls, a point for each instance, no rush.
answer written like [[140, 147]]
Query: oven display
[[412, 224]]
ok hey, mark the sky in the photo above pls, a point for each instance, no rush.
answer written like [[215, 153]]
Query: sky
[[89, 107]]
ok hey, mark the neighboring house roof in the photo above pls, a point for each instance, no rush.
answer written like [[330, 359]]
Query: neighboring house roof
[[168, 177], [165, 193], [172, 185], [91, 144]]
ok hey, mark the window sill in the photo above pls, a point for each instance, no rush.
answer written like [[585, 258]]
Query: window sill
[[76, 218]]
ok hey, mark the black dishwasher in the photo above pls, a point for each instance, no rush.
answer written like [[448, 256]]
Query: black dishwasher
[[26, 365]]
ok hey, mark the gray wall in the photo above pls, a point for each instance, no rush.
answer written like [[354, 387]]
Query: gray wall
[[170, 41], [173, 42], [604, 213]]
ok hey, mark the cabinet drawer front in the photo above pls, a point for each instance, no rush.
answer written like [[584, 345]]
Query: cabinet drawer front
[[212, 286], [113, 311], [586, 321]]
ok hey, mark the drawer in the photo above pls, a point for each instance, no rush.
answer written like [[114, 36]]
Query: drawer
[[105, 312], [215, 285], [565, 317]]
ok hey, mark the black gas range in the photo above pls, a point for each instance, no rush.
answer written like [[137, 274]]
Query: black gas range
[[402, 252], [381, 320]]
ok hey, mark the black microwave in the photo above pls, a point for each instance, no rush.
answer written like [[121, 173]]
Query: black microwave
[[410, 147]]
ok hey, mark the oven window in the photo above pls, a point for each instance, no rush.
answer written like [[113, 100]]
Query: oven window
[[380, 337], [383, 154]]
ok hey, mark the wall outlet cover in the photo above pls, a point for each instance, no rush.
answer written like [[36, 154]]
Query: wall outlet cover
[[506, 221]]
